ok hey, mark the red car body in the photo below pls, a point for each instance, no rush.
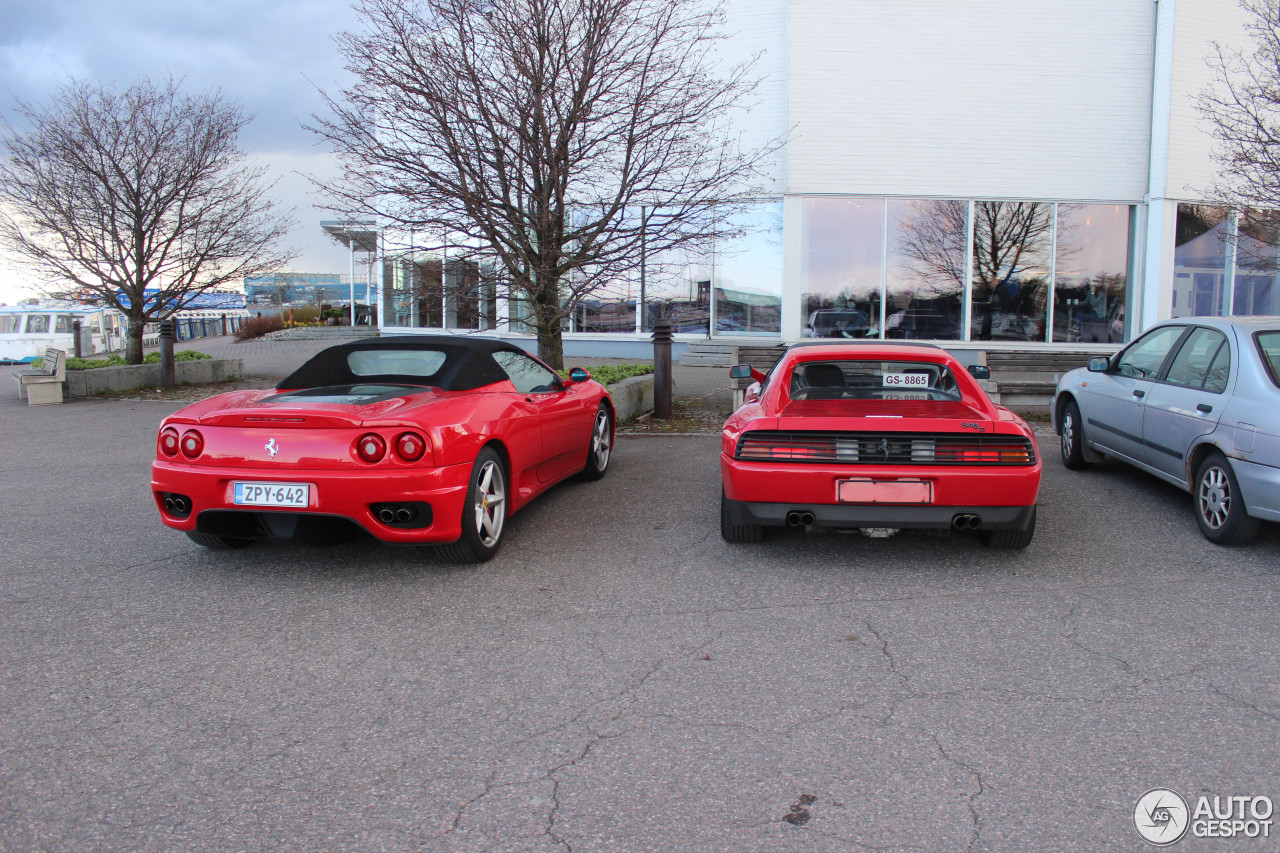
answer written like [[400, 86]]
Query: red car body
[[394, 453], [876, 435]]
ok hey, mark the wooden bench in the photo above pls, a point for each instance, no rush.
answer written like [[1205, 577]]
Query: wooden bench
[[42, 386]]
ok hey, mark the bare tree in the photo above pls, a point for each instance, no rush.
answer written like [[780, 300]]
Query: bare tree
[[536, 131], [1242, 108], [119, 193]]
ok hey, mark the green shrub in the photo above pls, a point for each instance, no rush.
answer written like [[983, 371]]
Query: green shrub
[[74, 363], [185, 355], [609, 374]]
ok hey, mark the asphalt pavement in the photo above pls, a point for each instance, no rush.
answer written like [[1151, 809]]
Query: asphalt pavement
[[618, 678]]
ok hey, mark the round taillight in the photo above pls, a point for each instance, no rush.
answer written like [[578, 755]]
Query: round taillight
[[192, 444], [370, 448], [410, 446], [169, 441]]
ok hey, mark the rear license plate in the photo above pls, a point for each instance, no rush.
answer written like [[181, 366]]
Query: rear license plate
[[884, 491], [272, 494]]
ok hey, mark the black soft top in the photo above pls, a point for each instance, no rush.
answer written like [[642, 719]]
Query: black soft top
[[468, 363]]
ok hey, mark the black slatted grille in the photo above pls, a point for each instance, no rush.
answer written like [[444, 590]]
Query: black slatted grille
[[884, 448]]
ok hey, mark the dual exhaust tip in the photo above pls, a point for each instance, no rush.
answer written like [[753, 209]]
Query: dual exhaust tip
[[397, 515], [961, 521], [177, 504], [800, 518]]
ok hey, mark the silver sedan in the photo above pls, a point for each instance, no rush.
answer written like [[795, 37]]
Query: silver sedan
[[1194, 401]]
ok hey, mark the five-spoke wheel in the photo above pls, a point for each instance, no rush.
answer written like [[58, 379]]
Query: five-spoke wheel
[[601, 444], [484, 514]]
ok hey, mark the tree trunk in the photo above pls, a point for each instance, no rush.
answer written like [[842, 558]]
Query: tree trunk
[[133, 343], [550, 341]]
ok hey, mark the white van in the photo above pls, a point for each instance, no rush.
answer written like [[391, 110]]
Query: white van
[[27, 330]]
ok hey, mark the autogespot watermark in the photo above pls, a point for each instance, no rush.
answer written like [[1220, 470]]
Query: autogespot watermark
[[1163, 817]]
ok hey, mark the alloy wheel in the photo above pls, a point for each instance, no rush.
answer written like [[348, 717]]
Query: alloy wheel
[[491, 503], [601, 440], [1214, 497]]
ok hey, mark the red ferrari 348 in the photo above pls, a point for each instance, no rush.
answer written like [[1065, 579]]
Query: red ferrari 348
[[876, 435], [415, 440]]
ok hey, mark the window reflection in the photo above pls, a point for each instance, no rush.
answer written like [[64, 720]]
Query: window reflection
[[1011, 256], [679, 290], [1090, 281], [748, 273], [844, 242], [1256, 290], [1199, 260], [926, 264]]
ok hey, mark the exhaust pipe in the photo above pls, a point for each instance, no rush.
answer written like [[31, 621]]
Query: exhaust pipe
[[168, 504], [966, 521], [386, 515], [179, 504], [800, 518], [404, 514]]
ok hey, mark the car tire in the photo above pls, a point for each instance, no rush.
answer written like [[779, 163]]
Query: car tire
[[600, 447], [1072, 430], [737, 533], [1220, 509], [1010, 539], [484, 514], [218, 543]]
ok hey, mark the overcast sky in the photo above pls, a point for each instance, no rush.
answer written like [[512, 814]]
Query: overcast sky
[[269, 56]]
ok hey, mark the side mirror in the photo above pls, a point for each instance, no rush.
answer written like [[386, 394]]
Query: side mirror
[[1099, 364], [745, 371], [980, 371], [579, 374]]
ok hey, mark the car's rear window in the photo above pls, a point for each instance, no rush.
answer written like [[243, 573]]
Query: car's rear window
[[864, 379], [1269, 347], [392, 362]]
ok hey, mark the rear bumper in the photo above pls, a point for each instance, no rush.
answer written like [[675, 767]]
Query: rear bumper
[[792, 483], [341, 494], [1260, 487], [1004, 498], [860, 515]]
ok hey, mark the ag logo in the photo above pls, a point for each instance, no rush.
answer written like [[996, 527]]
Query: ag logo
[[1161, 816]]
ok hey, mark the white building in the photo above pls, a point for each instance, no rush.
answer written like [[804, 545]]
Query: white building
[[990, 173]]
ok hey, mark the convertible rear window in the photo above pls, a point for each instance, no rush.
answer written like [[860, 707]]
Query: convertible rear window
[[873, 380], [1269, 347], [393, 362]]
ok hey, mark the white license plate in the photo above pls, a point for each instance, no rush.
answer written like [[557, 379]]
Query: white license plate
[[272, 494], [905, 380]]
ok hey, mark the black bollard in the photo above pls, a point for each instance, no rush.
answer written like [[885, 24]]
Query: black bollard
[[75, 330], [167, 377], [662, 368]]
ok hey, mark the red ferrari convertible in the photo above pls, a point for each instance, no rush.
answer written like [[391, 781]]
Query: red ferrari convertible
[[876, 435], [414, 440]]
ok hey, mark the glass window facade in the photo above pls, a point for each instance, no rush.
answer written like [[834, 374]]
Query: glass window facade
[[1200, 261], [1091, 265], [842, 267], [1012, 248], [926, 262], [746, 273], [913, 268], [1257, 290]]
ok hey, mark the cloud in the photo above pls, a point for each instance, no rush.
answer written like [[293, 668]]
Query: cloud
[[269, 57]]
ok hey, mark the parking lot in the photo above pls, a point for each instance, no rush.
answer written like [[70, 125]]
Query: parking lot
[[618, 678]]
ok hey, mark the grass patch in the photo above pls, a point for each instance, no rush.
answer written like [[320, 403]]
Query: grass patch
[[609, 374]]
